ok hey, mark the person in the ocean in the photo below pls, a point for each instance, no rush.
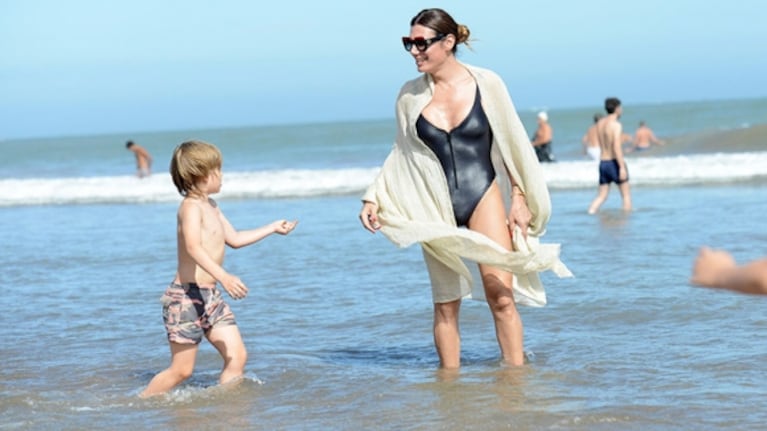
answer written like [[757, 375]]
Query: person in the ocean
[[143, 159], [193, 307], [612, 165], [644, 138], [718, 269], [461, 155], [542, 139], [590, 140]]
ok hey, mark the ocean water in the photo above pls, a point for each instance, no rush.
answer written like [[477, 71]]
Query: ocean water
[[338, 321]]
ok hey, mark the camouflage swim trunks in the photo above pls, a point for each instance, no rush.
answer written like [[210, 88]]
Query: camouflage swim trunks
[[190, 311]]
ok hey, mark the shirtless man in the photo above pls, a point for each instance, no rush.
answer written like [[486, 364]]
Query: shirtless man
[[143, 159], [612, 166], [542, 139], [644, 138], [590, 140]]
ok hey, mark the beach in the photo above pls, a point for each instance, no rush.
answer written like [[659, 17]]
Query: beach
[[338, 321]]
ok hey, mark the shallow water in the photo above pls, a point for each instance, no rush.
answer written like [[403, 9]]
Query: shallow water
[[338, 324]]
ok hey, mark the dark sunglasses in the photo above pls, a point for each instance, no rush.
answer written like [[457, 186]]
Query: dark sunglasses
[[420, 43]]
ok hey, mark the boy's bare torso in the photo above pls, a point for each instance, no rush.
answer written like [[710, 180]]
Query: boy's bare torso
[[211, 239]]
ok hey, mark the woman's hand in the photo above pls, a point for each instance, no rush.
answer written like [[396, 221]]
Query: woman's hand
[[519, 214], [369, 217]]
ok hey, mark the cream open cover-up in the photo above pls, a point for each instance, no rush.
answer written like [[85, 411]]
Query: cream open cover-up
[[414, 203]]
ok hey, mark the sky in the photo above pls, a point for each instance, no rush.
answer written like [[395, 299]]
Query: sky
[[82, 67]]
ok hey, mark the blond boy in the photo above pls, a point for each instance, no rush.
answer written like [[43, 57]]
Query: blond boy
[[192, 305]]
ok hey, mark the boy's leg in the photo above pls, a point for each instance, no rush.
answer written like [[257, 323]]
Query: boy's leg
[[181, 367], [228, 341]]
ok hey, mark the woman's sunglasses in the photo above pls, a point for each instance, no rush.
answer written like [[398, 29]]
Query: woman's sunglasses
[[420, 43]]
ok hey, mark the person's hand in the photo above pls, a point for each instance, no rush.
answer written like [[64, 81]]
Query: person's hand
[[519, 214], [709, 267], [234, 286], [284, 227], [369, 217], [622, 174]]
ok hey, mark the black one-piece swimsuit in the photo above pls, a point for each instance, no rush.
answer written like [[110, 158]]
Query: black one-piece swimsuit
[[464, 154]]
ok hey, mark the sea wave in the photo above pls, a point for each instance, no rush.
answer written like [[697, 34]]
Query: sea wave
[[702, 169]]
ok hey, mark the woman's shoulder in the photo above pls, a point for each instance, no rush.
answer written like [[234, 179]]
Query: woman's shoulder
[[483, 72], [415, 85]]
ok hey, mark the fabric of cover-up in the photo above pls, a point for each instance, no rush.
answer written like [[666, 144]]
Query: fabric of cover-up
[[414, 203]]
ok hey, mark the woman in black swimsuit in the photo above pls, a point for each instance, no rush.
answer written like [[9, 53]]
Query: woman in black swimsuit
[[454, 126], [464, 153]]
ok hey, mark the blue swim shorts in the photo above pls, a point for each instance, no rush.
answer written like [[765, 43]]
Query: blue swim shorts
[[609, 172]]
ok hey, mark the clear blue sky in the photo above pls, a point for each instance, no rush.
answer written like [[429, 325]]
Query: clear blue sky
[[89, 66]]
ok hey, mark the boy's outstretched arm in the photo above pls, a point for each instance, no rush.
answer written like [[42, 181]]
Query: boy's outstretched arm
[[237, 239], [717, 269]]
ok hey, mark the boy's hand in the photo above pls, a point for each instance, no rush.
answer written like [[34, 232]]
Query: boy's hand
[[234, 286], [284, 227]]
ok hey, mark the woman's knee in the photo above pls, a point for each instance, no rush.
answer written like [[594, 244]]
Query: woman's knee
[[502, 304], [499, 295], [447, 311]]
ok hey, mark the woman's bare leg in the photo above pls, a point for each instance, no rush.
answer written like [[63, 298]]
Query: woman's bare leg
[[489, 218], [447, 337]]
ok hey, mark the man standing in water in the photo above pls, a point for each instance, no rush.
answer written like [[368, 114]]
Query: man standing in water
[[590, 140], [143, 159], [612, 166], [542, 139]]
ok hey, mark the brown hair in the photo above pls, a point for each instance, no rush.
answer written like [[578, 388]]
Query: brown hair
[[191, 163], [441, 22], [611, 104]]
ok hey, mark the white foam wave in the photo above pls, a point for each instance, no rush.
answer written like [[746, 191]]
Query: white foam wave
[[679, 170], [668, 171], [160, 188]]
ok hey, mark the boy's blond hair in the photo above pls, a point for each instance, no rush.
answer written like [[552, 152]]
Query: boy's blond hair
[[192, 162]]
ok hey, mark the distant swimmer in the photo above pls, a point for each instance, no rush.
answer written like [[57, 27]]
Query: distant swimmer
[[717, 269], [612, 165], [143, 159], [591, 141], [542, 139], [644, 138]]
